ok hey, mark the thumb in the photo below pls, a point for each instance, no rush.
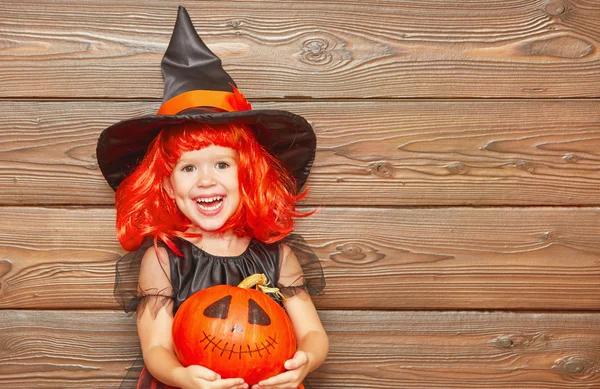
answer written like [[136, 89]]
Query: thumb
[[300, 358]]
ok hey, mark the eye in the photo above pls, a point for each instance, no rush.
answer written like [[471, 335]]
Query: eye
[[188, 168], [257, 315], [219, 309], [222, 165]]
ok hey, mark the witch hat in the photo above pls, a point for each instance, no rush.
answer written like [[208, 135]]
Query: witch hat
[[198, 90]]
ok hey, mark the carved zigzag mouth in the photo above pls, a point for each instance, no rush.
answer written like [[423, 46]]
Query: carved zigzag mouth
[[230, 350]]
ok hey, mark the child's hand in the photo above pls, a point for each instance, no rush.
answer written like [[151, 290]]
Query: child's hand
[[199, 377], [297, 370]]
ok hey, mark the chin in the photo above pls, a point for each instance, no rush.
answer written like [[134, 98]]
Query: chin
[[209, 227]]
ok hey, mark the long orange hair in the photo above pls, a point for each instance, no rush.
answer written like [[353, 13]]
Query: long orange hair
[[267, 200]]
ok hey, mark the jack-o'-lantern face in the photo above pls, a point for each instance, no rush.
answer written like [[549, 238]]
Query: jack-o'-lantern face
[[235, 332], [256, 316]]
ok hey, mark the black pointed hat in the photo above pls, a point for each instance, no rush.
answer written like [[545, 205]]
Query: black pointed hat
[[197, 89]]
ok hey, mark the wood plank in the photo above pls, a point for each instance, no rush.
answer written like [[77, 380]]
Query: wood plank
[[358, 48], [369, 349], [373, 258], [411, 153]]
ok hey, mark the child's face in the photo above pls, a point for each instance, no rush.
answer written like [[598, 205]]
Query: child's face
[[204, 184]]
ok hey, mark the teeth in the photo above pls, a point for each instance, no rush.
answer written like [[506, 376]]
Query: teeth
[[209, 199], [210, 208]]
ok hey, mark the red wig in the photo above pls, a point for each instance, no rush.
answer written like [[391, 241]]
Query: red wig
[[267, 200]]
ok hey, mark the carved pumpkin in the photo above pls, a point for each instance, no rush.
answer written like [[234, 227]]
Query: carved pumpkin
[[234, 331]]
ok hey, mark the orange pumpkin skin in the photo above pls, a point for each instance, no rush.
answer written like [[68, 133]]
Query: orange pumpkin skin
[[222, 329]]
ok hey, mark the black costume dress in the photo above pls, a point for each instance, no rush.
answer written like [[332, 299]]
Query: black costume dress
[[195, 270]]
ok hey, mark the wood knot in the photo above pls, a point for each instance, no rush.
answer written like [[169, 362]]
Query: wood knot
[[504, 341], [381, 169], [520, 341], [235, 24], [326, 51], [574, 367], [356, 254], [571, 365], [546, 235], [572, 158], [352, 251], [315, 50], [457, 168], [555, 8], [527, 166]]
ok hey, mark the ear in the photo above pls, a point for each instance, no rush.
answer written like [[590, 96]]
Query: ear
[[168, 187]]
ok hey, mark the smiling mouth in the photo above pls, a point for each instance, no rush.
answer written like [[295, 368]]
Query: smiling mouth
[[210, 203], [229, 350]]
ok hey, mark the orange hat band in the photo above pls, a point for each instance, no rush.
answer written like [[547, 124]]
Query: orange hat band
[[198, 98]]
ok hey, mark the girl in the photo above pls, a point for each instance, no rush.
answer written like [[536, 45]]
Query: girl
[[205, 192]]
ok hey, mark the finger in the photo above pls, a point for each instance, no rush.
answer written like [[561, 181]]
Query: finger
[[280, 380], [229, 383], [299, 359]]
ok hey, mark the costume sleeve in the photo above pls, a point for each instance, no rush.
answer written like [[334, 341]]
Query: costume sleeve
[[301, 271], [143, 281]]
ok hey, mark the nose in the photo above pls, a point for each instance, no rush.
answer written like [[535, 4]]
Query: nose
[[205, 178], [237, 328]]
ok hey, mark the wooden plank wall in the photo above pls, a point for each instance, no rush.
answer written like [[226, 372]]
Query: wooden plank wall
[[458, 163]]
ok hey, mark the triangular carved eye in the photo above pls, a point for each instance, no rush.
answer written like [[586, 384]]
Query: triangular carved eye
[[219, 309], [256, 315]]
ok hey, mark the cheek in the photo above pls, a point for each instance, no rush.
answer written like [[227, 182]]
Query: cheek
[[182, 184], [234, 187], [180, 203], [235, 198], [234, 182]]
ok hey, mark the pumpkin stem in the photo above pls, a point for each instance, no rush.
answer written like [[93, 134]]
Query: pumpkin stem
[[253, 280], [261, 282]]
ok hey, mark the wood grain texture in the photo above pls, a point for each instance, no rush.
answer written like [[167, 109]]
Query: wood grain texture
[[437, 258], [369, 349], [422, 110], [358, 48], [411, 153]]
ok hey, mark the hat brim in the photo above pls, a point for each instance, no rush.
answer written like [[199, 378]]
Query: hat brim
[[286, 136]]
